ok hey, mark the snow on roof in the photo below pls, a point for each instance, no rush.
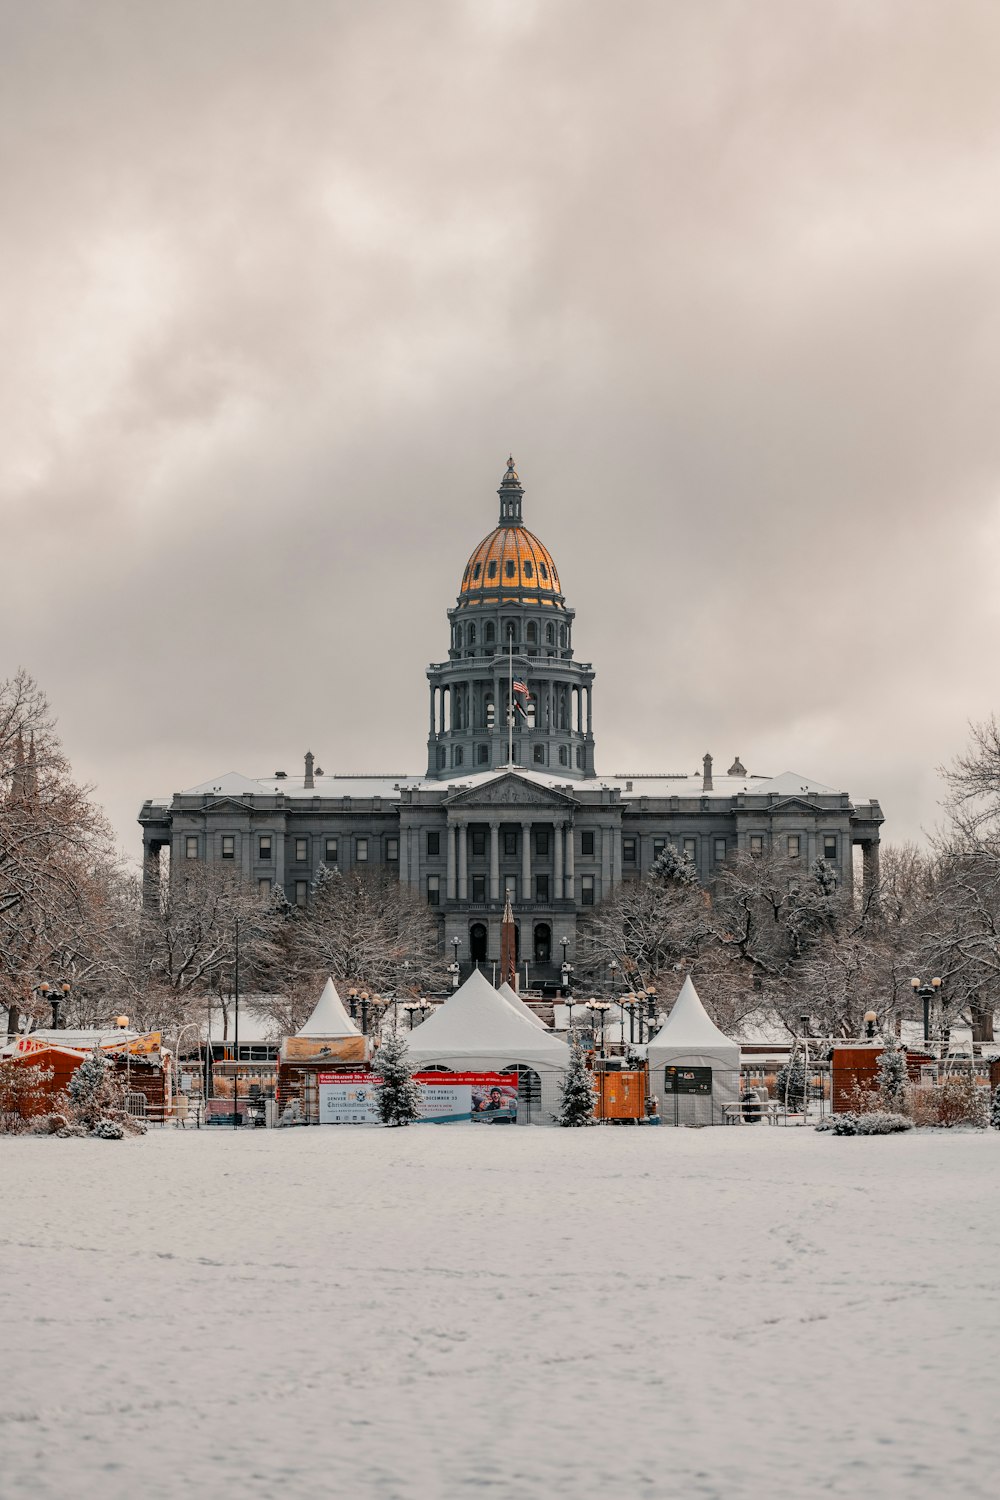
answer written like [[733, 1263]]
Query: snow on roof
[[514, 999], [235, 784], [329, 1019], [478, 1023], [690, 1030]]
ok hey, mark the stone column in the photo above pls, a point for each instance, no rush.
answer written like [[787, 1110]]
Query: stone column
[[526, 892], [590, 718], [452, 831], [463, 861], [557, 893], [494, 860], [432, 709], [616, 858], [605, 861], [570, 862]]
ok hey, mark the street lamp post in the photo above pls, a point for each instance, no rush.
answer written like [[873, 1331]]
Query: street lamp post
[[927, 993], [613, 967], [54, 996], [599, 1009]]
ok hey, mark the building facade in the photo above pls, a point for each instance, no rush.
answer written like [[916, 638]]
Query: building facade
[[510, 800]]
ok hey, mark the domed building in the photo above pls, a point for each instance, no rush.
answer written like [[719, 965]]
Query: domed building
[[510, 802], [511, 625]]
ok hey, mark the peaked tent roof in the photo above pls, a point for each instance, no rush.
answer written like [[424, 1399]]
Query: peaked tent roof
[[478, 1023], [514, 999], [690, 1032], [329, 1019]]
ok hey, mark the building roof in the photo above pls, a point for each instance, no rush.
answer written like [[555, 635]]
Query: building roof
[[329, 1018]]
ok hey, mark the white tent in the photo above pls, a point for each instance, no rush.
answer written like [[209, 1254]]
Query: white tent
[[693, 1066], [478, 1031], [514, 999], [329, 1019]]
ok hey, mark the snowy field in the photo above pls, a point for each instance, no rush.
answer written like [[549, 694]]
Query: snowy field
[[445, 1312]]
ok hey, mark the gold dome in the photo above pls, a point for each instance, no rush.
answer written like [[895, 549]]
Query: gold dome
[[510, 561]]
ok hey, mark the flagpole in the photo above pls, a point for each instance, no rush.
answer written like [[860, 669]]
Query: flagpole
[[510, 701]]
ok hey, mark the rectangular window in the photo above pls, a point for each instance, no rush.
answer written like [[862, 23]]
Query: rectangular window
[[539, 755], [479, 887], [586, 890], [510, 841], [691, 848], [433, 843], [794, 846], [229, 846], [482, 755], [301, 851], [587, 842], [756, 845], [264, 887], [302, 893], [264, 848], [720, 851], [541, 887], [361, 851], [658, 847], [191, 846], [478, 843], [392, 849], [434, 890], [542, 843], [830, 847], [330, 856], [628, 851]]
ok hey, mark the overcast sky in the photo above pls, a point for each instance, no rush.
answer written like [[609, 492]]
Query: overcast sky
[[282, 284]]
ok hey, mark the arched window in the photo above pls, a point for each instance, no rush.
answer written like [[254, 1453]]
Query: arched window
[[477, 570], [579, 757], [491, 633], [440, 757], [510, 629], [472, 635], [544, 571], [478, 939], [458, 637], [532, 633], [511, 569], [528, 570], [562, 635], [550, 634], [459, 755], [492, 570], [563, 756], [490, 712]]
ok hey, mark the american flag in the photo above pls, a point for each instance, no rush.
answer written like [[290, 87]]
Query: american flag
[[520, 689]]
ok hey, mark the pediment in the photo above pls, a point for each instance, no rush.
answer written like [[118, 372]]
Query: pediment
[[510, 790], [798, 804], [218, 803]]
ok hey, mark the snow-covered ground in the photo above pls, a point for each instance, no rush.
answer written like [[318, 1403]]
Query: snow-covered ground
[[454, 1311]]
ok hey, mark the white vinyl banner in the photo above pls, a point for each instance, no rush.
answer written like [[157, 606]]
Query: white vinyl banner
[[347, 1099]]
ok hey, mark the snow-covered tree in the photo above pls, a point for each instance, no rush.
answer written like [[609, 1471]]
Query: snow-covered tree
[[673, 867], [995, 1108], [790, 1084], [892, 1075], [576, 1106], [96, 1091], [398, 1095]]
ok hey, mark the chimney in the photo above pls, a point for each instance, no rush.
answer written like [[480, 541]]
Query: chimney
[[310, 761], [706, 781]]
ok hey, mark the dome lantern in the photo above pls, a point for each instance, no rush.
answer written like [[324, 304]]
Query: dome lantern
[[510, 492]]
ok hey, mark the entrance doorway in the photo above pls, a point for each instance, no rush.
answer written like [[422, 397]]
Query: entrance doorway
[[478, 942], [543, 942], [529, 1093]]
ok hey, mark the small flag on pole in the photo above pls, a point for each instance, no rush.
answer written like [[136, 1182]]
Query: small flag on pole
[[520, 690]]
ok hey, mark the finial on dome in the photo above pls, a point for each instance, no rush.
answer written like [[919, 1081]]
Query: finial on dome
[[510, 493]]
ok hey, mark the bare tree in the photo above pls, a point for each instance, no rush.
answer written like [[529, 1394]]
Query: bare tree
[[367, 930]]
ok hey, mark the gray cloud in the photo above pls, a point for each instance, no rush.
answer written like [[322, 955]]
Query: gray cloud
[[281, 286]]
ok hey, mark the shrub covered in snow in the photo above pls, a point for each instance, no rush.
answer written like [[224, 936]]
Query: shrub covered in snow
[[877, 1122], [576, 1106], [892, 1076], [995, 1108], [790, 1084], [399, 1096], [109, 1130], [22, 1088], [961, 1102]]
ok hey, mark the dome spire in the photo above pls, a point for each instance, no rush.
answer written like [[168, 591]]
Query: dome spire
[[510, 493]]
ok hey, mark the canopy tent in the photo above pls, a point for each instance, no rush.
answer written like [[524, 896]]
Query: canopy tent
[[478, 1030], [693, 1066], [514, 999], [329, 1018]]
